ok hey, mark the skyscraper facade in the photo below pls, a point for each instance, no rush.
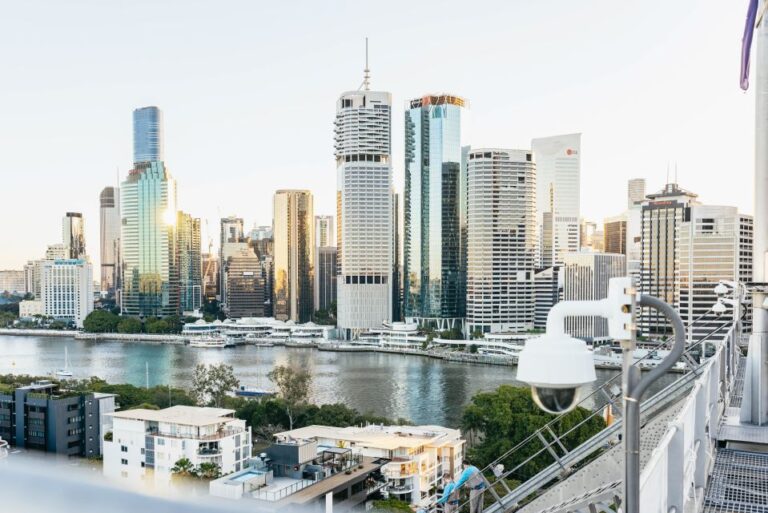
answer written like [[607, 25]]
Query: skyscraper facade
[[148, 135], [245, 285], [715, 243], [210, 276], [364, 197], [635, 192], [294, 255], [615, 235], [434, 282], [67, 289], [325, 234], [109, 239], [558, 196], [585, 277], [189, 262], [501, 242], [150, 280], [73, 234], [231, 241], [662, 214], [325, 265]]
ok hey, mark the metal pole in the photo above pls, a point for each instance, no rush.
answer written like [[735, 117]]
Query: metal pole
[[634, 389]]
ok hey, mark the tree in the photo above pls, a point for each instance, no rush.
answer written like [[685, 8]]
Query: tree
[[129, 325], [208, 470], [392, 505], [184, 468], [212, 383], [101, 321], [497, 421], [157, 326], [292, 387]]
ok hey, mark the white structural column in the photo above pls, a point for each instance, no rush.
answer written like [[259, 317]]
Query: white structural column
[[755, 399]]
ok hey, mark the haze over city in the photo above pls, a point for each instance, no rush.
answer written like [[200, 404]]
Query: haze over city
[[249, 97]]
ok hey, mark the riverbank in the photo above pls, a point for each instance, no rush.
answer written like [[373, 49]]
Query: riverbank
[[37, 333]]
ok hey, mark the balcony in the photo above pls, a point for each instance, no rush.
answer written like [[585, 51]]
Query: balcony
[[208, 451]]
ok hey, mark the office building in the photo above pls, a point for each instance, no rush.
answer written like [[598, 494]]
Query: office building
[[419, 455], [325, 277], [66, 290], [246, 292], [635, 192], [501, 240], [148, 443], [714, 243], [558, 168], [661, 214], [325, 235], [434, 273], [12, 281], [364, 197], [548, 289], [615, 235], [294, 255], [43, 417], [585, 277], [231, 241], [189, 262], [150, 278], [264, 249], [261, 232], [32, 278], [634, 242], [148, 135], [73, 234], [109, 240], [210, 276]]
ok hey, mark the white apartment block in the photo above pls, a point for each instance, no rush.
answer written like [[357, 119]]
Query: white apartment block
[[146, 444], [31, 308], [501, 239], [364, 211], [558, 196], [714, 244], [585, 277], [419, 455], [66, 289]]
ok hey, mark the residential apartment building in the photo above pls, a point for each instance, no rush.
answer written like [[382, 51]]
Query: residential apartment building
[[67, 290], [501, 240], [12, 281], [635, 192], [419, 455], [434, 248], [585, 277], [73, 234], [150, 442], [44, 417], [189, 262], [109, 239]]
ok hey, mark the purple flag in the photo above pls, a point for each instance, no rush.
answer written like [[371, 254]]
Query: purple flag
[[746, 43]]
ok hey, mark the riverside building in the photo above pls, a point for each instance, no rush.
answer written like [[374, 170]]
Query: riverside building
[[67, 290], [109, 239]]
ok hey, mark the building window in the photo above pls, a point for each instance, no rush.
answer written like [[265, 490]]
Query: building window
[[124, 461], [123, 448]]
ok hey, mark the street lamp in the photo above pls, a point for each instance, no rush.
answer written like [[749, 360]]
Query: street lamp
[[557, 366]]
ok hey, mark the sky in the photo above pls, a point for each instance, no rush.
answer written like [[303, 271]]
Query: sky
[[248, 90]]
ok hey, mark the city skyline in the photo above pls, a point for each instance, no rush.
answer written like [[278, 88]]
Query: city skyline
[[642, 117]]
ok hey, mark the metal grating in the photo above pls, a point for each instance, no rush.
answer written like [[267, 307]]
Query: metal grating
[[738, 384], [738, 483]]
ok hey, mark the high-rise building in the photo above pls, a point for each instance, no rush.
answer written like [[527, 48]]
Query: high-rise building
[[364, 204], [109, 239], [501, 240], [434, 282], [189, 262], [714, 243], [261, 232], [245, 285], [73, 234], [635, 192], [662, 214], [67, 289], [264, 249], [12, 281], [548, 289], [294, 255], [325, 277], [148, 135], [210, 276], [615, 235], [150, 278], [558, 168], [325, 235], [591, 237], [585, 277], [231, 241]]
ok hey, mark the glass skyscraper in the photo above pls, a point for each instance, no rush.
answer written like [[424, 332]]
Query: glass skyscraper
[[109, 224], [189, 261], [434, 281], [148, 134], [150, 277]]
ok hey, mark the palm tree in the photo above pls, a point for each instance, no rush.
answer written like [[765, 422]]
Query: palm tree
[[184, 468], [209, 470]]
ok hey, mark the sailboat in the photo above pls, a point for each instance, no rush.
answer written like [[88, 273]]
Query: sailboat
[[65, 372]]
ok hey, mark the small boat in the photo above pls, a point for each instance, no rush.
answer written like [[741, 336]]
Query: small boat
[[208, 341], [259, 340], [65, 372], [245, 391]]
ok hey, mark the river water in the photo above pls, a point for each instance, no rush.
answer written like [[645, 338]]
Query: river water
[[422, 390]]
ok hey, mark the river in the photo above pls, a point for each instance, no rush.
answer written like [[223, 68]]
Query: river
[[422, 390]]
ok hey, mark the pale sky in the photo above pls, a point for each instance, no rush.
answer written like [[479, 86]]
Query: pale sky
[[248, 90]]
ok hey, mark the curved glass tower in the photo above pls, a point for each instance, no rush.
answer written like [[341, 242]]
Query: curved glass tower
[[435, 216], [147, 134]]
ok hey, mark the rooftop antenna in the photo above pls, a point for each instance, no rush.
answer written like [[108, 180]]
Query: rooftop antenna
[[675, 171], [366, 71], [667, 182]]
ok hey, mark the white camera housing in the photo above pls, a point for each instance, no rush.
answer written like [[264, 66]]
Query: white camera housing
[[557, 368]]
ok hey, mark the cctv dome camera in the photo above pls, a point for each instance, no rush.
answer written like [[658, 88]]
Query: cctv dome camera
[[557, 367], [719, 308], [721, 289]]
